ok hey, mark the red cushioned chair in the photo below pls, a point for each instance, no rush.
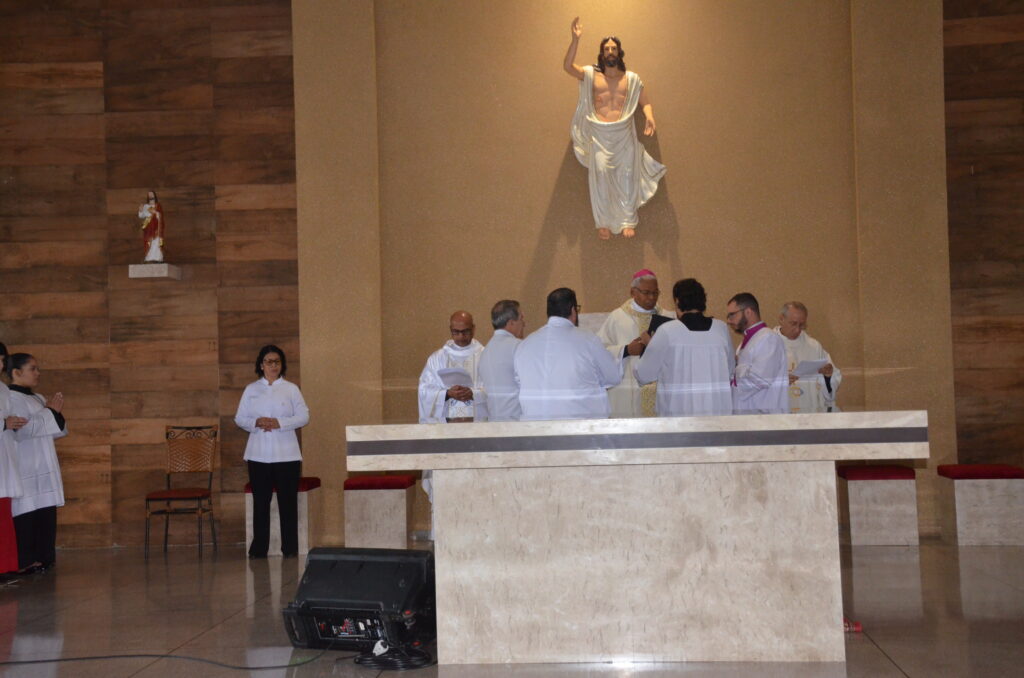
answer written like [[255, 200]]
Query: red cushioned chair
[[190, 450]]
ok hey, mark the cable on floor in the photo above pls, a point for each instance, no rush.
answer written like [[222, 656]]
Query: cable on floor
[[235, 667], [396, 659]]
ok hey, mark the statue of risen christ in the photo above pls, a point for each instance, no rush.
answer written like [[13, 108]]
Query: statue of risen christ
[[623, 176]]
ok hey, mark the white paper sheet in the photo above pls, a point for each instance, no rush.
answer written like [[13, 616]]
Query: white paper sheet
[[809, 368], [455, 376]]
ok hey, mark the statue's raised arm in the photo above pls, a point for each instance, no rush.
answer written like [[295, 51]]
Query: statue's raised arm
[[571, 67]]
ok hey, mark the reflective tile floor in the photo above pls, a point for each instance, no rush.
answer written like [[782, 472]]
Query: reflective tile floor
[[929, 611]]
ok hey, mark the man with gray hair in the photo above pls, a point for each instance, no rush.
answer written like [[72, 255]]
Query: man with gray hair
[[497, 371], [625, 334], [815, 393]]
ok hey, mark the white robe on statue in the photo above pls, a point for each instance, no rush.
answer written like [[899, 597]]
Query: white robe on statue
[[692, 369], [810, 394], [761, 382], [564, 373], [623, 176], [498, 377], [10, 477], [41, 482], [622, 326], [434, 406]]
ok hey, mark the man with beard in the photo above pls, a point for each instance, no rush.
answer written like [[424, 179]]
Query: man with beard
[[564, 372], [439, 403], [761, 382], [625, 333], [623, 176]]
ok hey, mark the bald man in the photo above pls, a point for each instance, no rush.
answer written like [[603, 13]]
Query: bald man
[[439, 403], [807, 394]]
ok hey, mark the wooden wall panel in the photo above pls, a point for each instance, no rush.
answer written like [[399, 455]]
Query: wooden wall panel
[[103, 101], [985, 154], [54, 254]]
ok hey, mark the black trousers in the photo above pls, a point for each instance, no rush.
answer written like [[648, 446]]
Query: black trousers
[[264, 478], [36, 532]]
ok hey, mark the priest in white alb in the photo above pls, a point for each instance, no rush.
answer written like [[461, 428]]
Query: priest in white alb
[[564, 371], [816, 393], [624, 335], [440, 403], [497, 371], [760, 384]]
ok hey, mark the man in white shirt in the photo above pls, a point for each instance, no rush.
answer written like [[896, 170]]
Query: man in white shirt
[[623, 334], [438, 403], [761, 382], [564, 372], [496, 371], [816, 393]]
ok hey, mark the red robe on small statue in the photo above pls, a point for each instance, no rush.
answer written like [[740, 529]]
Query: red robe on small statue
[[152, 216]]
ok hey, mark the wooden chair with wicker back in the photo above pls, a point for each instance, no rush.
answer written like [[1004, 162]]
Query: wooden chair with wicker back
[[190, 450]]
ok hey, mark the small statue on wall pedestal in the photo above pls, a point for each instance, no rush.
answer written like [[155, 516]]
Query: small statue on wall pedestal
[[623, 176], [152, 216]]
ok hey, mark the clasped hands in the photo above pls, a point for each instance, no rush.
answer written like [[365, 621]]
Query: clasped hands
[[463, 393], [267, 423]]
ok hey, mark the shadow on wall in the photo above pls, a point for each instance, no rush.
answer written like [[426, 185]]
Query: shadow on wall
[[606, 265]]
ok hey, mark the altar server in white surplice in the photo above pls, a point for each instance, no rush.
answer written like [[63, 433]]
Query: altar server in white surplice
[[35, 511], [439, 403], [497, 370], [761, 381], [690, 358], [564, 372], [807, 394], [624, 334]]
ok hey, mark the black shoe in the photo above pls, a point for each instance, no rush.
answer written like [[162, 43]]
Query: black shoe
[[257, 556], [291, 555]]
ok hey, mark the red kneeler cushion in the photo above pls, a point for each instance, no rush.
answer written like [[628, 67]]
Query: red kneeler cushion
[[881, 472], [399, 482], [306, 483], [980, 471]]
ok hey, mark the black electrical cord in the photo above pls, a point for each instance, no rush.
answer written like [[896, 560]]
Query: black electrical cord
[[396, 659], [235, 667]]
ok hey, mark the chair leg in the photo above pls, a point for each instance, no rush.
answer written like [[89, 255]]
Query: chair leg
[[213, 528], [199, 526]]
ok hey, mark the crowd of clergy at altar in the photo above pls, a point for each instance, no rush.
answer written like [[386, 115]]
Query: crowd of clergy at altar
[[645, 360]]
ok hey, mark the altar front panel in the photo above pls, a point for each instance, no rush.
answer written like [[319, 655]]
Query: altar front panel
[[676, 562]]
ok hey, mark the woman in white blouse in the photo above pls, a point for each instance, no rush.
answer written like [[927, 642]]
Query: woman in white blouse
[[270, 410]]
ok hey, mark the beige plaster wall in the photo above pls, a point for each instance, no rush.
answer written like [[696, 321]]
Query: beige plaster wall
[[339, 244], [482, 197], [465, 152], [901, 201]]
